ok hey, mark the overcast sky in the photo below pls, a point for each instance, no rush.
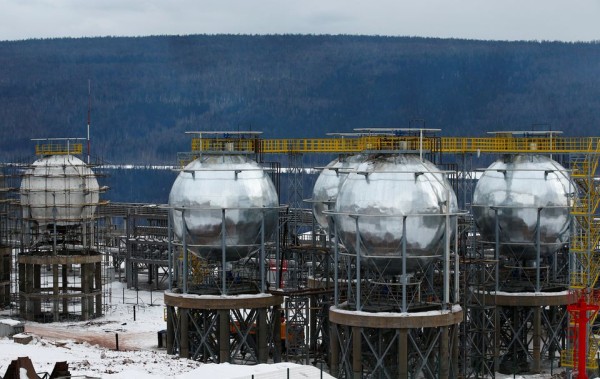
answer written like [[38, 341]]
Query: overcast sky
[[548, 20]]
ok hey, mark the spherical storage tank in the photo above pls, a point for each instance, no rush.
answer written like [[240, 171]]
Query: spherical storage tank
[[59, 189], [517, 187], [212, 183], [378, 194], [328, 184]]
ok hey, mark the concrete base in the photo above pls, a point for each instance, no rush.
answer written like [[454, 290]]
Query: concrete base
[[213, 328], [384, 342], [47, 290]]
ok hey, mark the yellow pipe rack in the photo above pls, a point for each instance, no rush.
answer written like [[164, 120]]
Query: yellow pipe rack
[[498, 144], [58, 148]]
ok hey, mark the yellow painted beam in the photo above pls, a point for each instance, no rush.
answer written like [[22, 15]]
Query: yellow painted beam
[[58, 148], [556, 145]]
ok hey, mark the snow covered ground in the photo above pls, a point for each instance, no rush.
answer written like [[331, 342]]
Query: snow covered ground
[[89, 346]]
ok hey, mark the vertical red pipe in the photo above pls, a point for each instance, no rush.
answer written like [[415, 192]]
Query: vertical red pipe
[[581, 359], [580, 314]]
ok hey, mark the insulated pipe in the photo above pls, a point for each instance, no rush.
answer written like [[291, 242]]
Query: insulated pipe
[[336, 258], [262, 254], [537, 252], [446, 299], [456, 266], [185, 252], [358, 276], [497, 248], [223, 255], [170, 251], [404, 278]]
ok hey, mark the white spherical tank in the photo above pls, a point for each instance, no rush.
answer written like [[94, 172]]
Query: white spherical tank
[[328, 184], [59, 189], [378, 194], [213, 183], [517, 187]]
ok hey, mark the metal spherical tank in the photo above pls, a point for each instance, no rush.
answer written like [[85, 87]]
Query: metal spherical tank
[[376, 197], [59, 189], [214, 188], [328, 184], [527, 192]]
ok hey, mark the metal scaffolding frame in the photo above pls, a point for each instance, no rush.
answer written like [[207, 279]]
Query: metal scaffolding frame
[[239, 336], [55, 231], [478, 336], [6, 254]]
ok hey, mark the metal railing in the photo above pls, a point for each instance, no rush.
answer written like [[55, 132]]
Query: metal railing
[[557, 145]]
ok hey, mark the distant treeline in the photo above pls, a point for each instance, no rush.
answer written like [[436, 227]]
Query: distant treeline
[[147, 91]]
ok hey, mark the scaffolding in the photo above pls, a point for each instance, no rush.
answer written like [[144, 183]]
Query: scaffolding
[[581, 352], [137, 243], [57, 236], [6, 256]]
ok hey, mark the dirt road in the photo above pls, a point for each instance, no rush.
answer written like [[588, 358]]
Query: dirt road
[[107, 339]]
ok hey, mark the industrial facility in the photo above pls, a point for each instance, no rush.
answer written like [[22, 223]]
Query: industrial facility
[[381, 253]]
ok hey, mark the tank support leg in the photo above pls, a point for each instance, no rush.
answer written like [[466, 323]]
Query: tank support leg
[[537, 326], [170, 329], [55, 302], [403, 354], [262, 336], [334, 360], [356, 352], [184, 348], [224, 336], [444, 355], [277, 337]]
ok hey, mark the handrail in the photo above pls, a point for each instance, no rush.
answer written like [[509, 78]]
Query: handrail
[[58, 148], [556, 145]]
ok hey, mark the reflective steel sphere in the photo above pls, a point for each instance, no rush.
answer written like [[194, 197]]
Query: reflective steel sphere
[[378, 194], [59, 189], [233, 183], [518, 186], [328, 184]]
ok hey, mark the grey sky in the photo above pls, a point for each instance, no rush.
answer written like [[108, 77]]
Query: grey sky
[[550, 20]]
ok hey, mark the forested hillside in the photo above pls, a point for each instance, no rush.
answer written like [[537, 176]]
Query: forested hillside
[[147, 91]]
